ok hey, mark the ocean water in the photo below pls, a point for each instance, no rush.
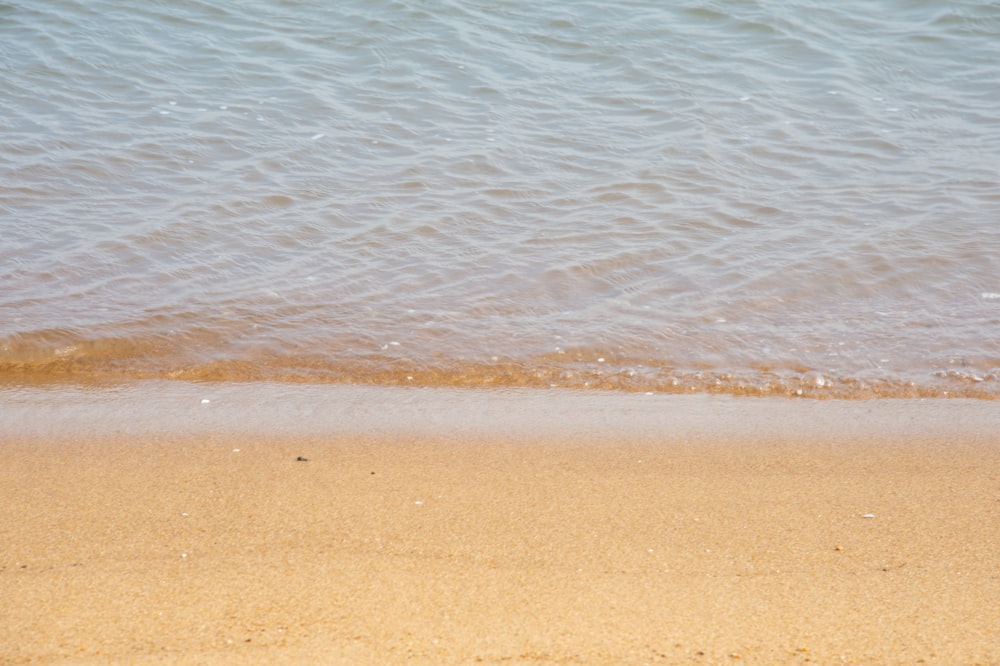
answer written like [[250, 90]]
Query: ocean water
[[737, 196]]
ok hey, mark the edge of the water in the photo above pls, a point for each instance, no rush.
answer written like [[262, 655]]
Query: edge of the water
[[176, 407]]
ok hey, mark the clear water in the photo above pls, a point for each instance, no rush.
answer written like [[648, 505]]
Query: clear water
[[741, 196]]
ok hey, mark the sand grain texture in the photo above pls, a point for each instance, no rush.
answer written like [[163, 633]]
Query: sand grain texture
[[223, 549]]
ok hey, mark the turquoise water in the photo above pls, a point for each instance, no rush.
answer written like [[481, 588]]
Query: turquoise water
[[739, 196]]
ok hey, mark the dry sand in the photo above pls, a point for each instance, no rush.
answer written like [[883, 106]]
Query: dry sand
[[602, 542]]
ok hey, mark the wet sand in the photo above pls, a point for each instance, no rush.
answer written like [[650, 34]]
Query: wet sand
[[760, 536]]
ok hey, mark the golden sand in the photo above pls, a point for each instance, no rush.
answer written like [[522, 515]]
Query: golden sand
[[459, 549]]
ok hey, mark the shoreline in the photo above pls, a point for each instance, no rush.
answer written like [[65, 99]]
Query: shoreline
[[147, 407], [513, 528]]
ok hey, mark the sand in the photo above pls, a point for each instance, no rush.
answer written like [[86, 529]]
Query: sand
[[737, 532]]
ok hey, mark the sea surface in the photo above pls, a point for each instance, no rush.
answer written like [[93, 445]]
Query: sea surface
[[735, 196]]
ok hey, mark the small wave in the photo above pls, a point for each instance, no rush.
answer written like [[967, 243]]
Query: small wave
[[63, 359]]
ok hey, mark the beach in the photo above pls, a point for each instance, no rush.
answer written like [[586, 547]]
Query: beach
[[499, 333], [637, 535]]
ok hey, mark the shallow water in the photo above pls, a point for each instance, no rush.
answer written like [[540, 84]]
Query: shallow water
[[156, 409], [737, 196]]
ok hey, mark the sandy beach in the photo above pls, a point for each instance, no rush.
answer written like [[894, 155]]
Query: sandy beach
[[773, 541]]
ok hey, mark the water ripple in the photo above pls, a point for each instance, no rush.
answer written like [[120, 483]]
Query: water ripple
[[708, 196]]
